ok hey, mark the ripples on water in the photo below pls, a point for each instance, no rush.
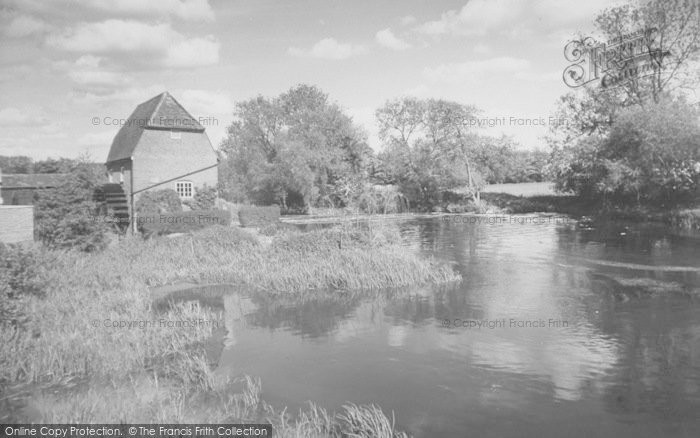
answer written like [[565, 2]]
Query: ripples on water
[[610, 359]]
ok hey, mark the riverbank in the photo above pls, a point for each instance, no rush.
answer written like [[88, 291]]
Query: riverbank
[[86, 346], [541, 198]]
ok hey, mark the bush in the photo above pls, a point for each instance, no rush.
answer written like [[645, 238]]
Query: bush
[[252, 216], [19, 277], [158, 202], [204, 199], [182, 222], [65, 216]]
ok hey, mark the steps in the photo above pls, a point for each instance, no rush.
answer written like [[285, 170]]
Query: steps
[[117, 202]]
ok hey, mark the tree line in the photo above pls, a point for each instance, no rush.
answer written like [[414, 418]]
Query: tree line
[[301, 150]]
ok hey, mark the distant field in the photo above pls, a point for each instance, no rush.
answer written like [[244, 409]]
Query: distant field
[[522, 189]]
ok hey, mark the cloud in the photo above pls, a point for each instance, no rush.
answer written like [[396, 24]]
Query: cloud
[[14, 117], [513, 17], [387, 39], [475, 18], [481, 48], [114, 36], [193, 52], [194, 10], [407, 19], [137, 42], [329, 48], [25, 25], [115, 98], [465, 71], [88, 70], [95, 10], [204, 103]]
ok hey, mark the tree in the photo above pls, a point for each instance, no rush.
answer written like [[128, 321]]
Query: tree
[[296, 148], [429, 147], [587, 156], [672, 47], [16, 164], [651, 155], [67, 216]]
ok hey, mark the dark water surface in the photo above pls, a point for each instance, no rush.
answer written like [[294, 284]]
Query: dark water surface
[[584, 333]]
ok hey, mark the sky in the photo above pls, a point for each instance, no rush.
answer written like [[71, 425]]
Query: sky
[[72, 71]]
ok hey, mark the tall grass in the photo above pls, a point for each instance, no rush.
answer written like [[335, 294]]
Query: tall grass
[[107, 372]]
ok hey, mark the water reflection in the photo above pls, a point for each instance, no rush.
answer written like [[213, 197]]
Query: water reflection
[[598, 364]]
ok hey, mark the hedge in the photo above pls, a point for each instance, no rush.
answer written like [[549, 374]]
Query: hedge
[[182, 222], [252, 216]]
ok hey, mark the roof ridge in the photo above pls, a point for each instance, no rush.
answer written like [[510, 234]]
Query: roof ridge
[[185, 110], [155, 110]]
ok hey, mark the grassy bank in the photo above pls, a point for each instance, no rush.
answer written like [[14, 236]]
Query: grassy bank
[[63, 336]]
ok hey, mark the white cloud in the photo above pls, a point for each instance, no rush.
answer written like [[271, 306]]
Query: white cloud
[[475, 18], [195, 10], [116, 97], [114, 36], [407, 19], [204, 103], [481, 48], [193, 52], [88, 70], [148, 44], [514, 17], [465, 71], [14, 117], [387, 39], [329, 48], [25, 25]]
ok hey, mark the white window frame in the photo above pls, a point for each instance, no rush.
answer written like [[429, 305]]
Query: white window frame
[[184, 189], [175, 135]]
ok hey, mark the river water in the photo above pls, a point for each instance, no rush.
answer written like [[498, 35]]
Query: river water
[[556, 330]]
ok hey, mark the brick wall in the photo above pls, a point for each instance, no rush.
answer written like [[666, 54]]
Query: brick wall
[[16, 223], [158, 158]]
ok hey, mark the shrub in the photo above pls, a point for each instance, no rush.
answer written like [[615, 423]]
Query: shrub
[[182, 222], [65, 216], [204, 199], [157, 202], [252, 216], [19, 277]]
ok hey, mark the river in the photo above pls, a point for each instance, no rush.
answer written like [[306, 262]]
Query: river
[[556, 330]]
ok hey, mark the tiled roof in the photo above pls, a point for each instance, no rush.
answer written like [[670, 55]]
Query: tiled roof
[[32, 181], [160, 112]]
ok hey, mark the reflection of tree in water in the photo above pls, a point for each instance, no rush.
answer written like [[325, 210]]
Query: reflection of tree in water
[[659, 368]]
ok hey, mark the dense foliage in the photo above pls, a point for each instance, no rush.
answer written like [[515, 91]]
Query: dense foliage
[[157, 202], [651, 155], [182, 222], [638, 143], [65, 216], [297, 150], [204, 199], [19, 278]]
